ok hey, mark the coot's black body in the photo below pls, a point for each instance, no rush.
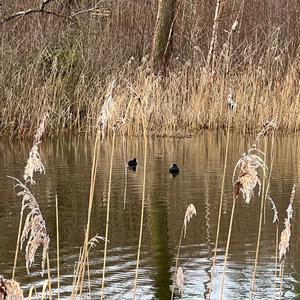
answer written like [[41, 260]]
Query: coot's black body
[[174, 170], [132, 164]]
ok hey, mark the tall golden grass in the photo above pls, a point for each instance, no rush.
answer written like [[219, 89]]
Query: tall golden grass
[[66, 68]]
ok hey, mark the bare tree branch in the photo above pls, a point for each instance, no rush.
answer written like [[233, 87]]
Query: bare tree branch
[[41, 10]]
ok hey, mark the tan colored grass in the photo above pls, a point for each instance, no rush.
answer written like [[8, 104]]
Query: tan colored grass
[[10, 289], [34, 233], [67, 72]]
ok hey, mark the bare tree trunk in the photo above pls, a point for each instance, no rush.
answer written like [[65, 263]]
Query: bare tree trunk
[[163, 34]]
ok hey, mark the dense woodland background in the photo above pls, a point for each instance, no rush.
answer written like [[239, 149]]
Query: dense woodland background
[[62, 61]]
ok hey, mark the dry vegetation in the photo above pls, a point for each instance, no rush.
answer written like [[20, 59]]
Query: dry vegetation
[[64, 65], [82, 72]]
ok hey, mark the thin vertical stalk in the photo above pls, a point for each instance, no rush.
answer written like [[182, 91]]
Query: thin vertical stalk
[[270, 174], [18, 244], [276, 259], [107, 213], [263, 196], [82, 260], [57, 249], [89, 275], [211, 52], [142, 208], [125, 165], [177, 259], [220, 209], [49, 278], [281, 279], [227, 248]]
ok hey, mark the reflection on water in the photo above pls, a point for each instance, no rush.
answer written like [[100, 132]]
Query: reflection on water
[[68, 164]]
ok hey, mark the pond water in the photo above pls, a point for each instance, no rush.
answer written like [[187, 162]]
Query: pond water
[[68, 163]]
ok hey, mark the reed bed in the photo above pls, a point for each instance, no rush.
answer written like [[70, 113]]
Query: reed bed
[[254, 51]]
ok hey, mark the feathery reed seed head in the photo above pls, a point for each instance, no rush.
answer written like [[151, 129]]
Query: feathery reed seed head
[[10, 289], [286, 233], [94, 240], [249, 164], [34, 230], [248, 176], [34, 162], [190, 212], [180, 280], [275, 211]]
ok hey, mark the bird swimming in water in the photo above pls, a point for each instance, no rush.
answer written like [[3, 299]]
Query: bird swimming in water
[[132, 164], [174, 170]]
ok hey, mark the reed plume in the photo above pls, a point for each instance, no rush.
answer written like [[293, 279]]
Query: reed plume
[[10, 289], [178, 278], [34, 162], [247, 179], [286, 233], [275, 221], [248, 166], [34, 232], [285, 238], [274, 209]]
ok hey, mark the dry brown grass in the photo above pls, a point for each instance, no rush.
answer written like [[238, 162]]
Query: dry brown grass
[[34, 233], [65, 69], [10, 289]]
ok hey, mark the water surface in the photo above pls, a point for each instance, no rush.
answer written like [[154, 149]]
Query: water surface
[[68, 163]]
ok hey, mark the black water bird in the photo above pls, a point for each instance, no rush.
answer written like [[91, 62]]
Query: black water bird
[[132, 164], [174, 170]]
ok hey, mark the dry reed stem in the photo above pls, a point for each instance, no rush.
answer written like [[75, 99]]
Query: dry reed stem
[[263, 193], [281, 270], [221, 202], [246, 181], [49, 277], [211, 52], [142, 204], [189, 213], [10, 289], [276, 221], [125, 171], [102, 125], [264, 197], [57, 249], [276, 259], [227, 248], [79, 274], [89, 276], [269, 178], [17, 244], [107, 214]]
